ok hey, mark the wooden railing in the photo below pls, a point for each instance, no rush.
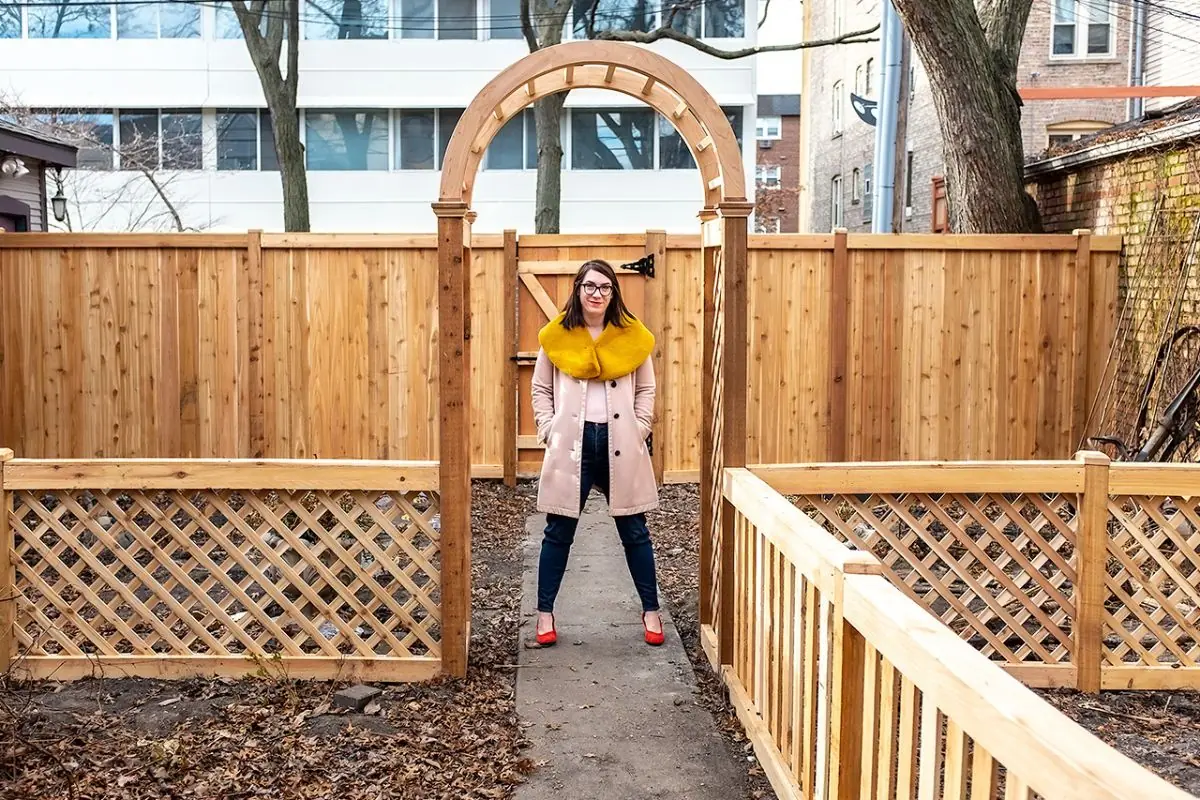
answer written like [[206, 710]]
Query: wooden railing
[[848, 688], [1070, 573], [172, 568]]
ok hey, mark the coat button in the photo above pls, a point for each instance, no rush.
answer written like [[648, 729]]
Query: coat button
[[613, 384], [617, 453], [616, 416]]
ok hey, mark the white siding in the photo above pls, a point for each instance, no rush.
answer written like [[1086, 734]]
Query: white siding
[[1172, 53]]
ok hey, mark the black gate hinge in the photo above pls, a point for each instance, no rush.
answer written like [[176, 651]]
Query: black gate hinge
[[643, 266]]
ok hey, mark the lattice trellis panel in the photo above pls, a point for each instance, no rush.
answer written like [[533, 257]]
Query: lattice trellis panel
[[226, 573], [1153, 579], [997, 569], [716, 426]]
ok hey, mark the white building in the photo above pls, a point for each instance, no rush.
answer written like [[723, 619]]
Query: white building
[[377, 110]]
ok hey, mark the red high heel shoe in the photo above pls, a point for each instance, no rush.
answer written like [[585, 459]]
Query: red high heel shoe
[[550, 637], [653, 638]]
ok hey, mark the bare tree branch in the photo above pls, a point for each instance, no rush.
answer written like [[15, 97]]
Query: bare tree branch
[[527, 28], [854, 37], [761, 22]]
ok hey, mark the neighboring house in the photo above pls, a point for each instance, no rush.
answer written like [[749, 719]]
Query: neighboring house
[[25, 156], [1067, 43], [376, 112], [1172, 51], [777, 169]]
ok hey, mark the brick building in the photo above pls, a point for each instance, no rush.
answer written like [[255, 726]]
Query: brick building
[[1067, 43], [777, 164]]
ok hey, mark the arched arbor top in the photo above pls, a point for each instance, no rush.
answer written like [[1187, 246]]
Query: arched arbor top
[[626, 68]]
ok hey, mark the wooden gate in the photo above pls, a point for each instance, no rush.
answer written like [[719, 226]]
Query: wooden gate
[[545, 266]]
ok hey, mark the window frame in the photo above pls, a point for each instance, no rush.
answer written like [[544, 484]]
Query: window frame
[[376, 112], [119, 144], [768, 176], [855, 186], [569, 151], [839, 89], [1082, 24], [836, 215], [763, 126], [259, 141]]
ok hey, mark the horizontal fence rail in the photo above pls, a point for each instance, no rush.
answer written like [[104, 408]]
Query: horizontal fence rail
[[848, 688], [318, 569], [1073, 573]]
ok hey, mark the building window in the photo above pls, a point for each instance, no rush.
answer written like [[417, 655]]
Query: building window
[[869, 78], [515, 145], [908, 185], [673, 152], [766, 224], [868, 172], [345, 19], [767, 176], [768, 128], [73, 19], [182, 139], [346, 139], [170, 20], [683, 16], [612, 138], [835, 215], [612, 15], [421, 136], [837, 108], [858, 80], [10, 21], [724, 19], [855, 186], [1061, 133], [150, 140], [504, 19], [90, 131], [1082, 29], [245, 140], [839, 17], [228, 26]]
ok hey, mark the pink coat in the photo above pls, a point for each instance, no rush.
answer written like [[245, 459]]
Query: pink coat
[[558, 410]]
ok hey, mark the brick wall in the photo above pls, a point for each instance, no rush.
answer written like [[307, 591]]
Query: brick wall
[[830, 155], [783, 202], [1152, 199]]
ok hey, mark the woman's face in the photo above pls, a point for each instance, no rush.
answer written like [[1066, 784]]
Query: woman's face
[[595, 292]]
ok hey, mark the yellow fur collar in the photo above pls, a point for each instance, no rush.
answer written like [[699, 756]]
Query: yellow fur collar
[[618, 351]]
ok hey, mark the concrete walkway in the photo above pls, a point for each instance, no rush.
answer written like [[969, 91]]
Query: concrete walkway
[[609, 715]]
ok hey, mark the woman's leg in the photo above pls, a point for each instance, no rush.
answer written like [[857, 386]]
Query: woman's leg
[[556, 549], [639, 555]]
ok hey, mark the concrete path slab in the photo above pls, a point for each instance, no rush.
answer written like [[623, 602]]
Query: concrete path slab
[[610, 716]]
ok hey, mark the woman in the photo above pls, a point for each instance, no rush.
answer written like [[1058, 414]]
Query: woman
[[593, 402]]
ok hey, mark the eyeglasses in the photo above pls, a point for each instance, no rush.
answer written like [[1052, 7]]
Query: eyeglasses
[[602, 289]]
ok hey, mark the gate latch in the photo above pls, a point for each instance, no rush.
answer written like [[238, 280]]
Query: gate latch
[[643, 266]]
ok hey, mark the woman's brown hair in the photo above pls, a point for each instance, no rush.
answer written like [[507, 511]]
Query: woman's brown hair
[[617, 313]]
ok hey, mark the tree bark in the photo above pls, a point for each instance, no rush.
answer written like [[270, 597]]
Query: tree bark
[[547, 112], [280, 90], [972, 74]]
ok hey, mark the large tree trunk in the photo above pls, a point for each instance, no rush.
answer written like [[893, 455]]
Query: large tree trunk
[[548, 114], [971, 61], [292, 173]]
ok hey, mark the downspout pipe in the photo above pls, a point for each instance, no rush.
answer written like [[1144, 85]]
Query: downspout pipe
[[1137, 60], [891, 33]]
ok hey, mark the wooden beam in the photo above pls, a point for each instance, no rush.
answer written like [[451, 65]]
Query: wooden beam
[[511, 385], [169, 667], [1105, 92], [648, 87], [8, 601], [454, 437], [924, 476], [609, 73], [1081, 355], [540, 296], [710, 478], [569, 75], [1087, 635], [656, 318], [839, 300], [680, 109]]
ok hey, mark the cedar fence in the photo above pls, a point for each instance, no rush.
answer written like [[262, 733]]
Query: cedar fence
[[324, 345], [1067, 573], [848, 688], [176, 568]]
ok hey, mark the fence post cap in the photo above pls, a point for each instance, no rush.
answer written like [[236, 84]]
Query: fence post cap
[[1082, 232], [6, 454], [1094, 457]]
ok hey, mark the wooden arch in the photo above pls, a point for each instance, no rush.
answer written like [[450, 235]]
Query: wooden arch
[[625, 68], [663, 85]]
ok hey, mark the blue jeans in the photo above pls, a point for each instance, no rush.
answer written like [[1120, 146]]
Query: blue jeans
[[560, 530]]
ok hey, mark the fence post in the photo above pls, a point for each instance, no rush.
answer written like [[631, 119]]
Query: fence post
[[710, 478], [657, 321], [511, 412], [847, 674], [1091, 564], [1081, 340], [8, 600], [839, 294]]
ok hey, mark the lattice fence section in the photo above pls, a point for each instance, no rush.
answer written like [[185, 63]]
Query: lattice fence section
[[254, 573], [997, 569], [1153, 578]]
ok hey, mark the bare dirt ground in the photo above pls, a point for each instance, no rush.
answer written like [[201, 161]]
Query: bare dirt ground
[[271, 737]]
